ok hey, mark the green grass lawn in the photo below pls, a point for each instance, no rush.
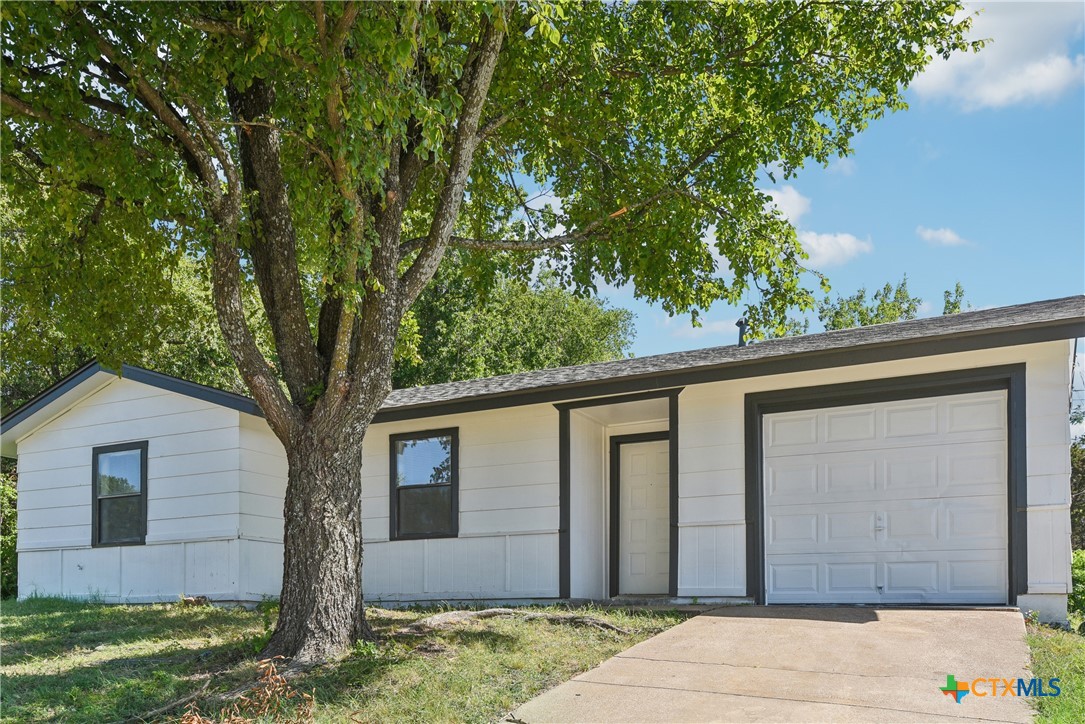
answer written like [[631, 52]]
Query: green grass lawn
[[1059, 653], [84, 662]]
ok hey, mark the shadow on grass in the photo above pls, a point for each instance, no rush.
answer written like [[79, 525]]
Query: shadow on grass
[[116, 688], [53, 627]]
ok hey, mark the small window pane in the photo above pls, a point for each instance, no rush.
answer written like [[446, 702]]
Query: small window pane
[[427, 461], [119, 519], [425, 511], [119, 473]]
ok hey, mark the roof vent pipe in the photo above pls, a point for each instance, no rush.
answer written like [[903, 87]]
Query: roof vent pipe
[[741, 324]]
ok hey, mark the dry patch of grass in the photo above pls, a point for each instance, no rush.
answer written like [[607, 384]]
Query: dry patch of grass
[[85, 662]]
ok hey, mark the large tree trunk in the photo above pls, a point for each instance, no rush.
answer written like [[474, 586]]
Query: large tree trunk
[[321, 612]]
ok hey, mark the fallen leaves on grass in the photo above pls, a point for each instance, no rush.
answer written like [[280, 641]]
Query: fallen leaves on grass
[[273, 698], [449, 619]]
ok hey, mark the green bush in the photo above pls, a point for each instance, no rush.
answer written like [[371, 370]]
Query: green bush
[[9, 560], [1077, 593]]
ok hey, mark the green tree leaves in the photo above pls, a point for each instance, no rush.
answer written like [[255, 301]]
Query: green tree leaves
[[890, 304], [458, 331]]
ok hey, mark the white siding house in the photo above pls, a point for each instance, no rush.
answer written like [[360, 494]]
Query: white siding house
[[921, 462]]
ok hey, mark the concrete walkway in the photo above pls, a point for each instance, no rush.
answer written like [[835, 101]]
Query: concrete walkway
[[802, 664]]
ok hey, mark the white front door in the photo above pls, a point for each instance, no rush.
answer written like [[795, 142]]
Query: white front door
[[644, 518], [895, 502]]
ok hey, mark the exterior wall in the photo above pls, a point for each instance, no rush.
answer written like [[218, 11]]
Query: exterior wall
[[712, 536], [192, 499], [262, 463], [588, 510], [216, 480], [508, 542]]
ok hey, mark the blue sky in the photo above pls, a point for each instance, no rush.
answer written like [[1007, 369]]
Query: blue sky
[[981, 181]]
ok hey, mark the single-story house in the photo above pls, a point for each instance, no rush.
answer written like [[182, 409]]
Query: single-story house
[[923, 462]]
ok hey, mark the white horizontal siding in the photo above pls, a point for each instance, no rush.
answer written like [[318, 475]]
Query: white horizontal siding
[[508, 474], [192, 467], [263, 472], [262, 528], [712, 460], [508, 501]]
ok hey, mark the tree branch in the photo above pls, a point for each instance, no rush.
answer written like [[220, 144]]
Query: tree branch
[[477, 87], [158, 105], [215, 26], [94, 134], [274, 244], [343, 26]]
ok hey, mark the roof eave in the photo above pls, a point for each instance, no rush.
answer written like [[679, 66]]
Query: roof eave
[[971, 340]]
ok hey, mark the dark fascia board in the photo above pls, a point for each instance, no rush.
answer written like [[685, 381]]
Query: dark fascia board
[[822, 359], [619, 399], [232, 400], [32, 406], [761, 367], [138, 374]]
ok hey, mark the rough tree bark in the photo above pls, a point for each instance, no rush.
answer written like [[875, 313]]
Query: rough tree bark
[[320, 608]]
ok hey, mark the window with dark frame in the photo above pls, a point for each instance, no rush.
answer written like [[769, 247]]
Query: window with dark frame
[[119, 494], [425, 475]]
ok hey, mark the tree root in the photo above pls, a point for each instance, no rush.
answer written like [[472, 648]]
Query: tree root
[[167, 708], [450, 619]]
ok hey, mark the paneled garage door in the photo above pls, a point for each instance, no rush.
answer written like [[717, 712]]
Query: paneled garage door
[[894, 502]]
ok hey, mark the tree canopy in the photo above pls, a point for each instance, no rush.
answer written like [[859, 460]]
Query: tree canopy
[[329, 154], [459, 331], [889, 304]]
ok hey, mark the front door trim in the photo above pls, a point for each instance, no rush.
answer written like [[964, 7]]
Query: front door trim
[[565, 480], [1003, 377], [616, 443]]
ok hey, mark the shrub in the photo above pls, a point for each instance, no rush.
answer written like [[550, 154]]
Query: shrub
[[1077, 593], [9, 559]]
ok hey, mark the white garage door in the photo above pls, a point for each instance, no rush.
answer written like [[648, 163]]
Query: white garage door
[[896, 502]]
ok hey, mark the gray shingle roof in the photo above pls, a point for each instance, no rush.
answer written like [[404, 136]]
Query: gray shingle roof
[[1035, 314]]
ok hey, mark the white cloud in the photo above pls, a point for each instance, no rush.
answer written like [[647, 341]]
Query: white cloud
[[792, 204], [843, 166], [832, 249], [941, 237], [824, 249], [1027, 60]]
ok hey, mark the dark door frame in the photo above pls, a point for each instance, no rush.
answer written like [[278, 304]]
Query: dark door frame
[[616, 442], [565, 474], [1003, 377]]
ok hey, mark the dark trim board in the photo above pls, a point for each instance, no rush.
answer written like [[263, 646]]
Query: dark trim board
[[95, 515], [46, 396], [565, 475], [393, 489], [191, 389], [138, 374], [616, 442], [741, 369], [1005, 377], [672, 469], [565, 483]]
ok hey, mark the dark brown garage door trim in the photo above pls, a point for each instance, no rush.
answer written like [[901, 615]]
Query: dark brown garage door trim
[[1005, 377]]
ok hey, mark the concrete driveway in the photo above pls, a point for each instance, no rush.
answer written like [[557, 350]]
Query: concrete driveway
[[802, 664]]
